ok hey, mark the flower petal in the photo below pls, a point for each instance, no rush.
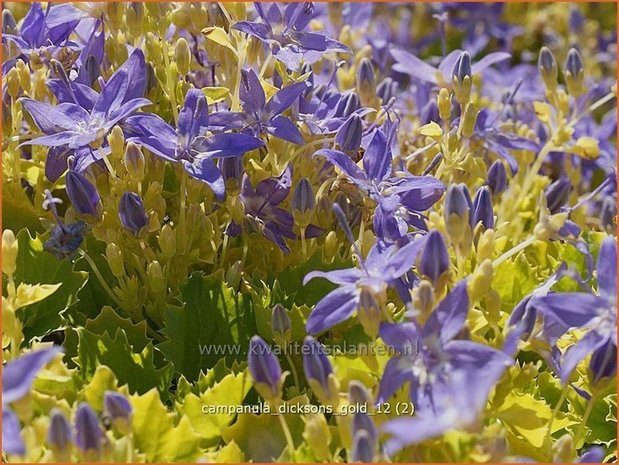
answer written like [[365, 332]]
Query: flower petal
[[18, 375], [335, 307]]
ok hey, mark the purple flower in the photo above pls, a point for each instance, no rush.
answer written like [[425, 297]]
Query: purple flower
[[401, 197], [73, 127], [460, 402], [262, 213], [499, 142], [557, 194], [284, 33], [190, 144], [596, 314], [260, 115], [131, 212], [17, 379], [407, 63], [36, 37], [430, 353], [265, 369], [383, 266]]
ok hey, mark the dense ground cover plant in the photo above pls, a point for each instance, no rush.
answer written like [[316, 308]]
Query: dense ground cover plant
[[392, 224]]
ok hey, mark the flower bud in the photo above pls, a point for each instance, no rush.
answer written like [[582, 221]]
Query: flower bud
[[469, 118], [118, 409], [167, 241], [557, 194], [131, 212], [457, 201], [423, 299], [563, 449], [482, 211], [116, 139], [485, 245], [462, 78], [9, 252], [363, 448], [444, 104], [317, 436], [370, 314], [9, 25], [24, 75], [331, 247], [387, 89], [319, 373], [13, 85], [497, 177], [358, 394], [281, 325], [89, 435], [114, 257], [548, 69], [366, 82], [155, 277], [134, 162], [182, 56], [265, 370], [434, 259], [457, 210], [303, 198], [83, 195], [481, 280], [234, 274], [574, 73], [349, 135], [347, 104], [232, 172], [362, 422], [59, 436]]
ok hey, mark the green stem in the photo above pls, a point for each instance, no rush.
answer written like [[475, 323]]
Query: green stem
[[555, 411], [295, 377], [585, 418], [289, 441], [514, 250], [95, 269]]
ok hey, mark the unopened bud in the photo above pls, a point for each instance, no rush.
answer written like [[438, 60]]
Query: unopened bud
[[347, 104], [365, 80], [167, 241], [114, 257], [131, 212], [574, 73], [319, 372], [9, 252], [134, 162], [482, 211], [563, 449], [182, 55], [13, 85], [281, 325], [116, 139], [468, 120], [434, 260], [462, 78], [303, 198], [317, 436], [89, 434], [59, 436], [155, 277], [557, 194], [349, 135], [234, 275], [548, 69], [265, 370], [118, 409], [444, 104], [83, 195], [481, 281], [497, 177]]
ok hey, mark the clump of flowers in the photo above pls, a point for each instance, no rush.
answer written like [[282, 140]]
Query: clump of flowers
[[307, 232]]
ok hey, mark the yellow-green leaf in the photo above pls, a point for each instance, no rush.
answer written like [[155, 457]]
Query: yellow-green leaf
[[432, 130], [219, 36], [28, 294], [215, 94]]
